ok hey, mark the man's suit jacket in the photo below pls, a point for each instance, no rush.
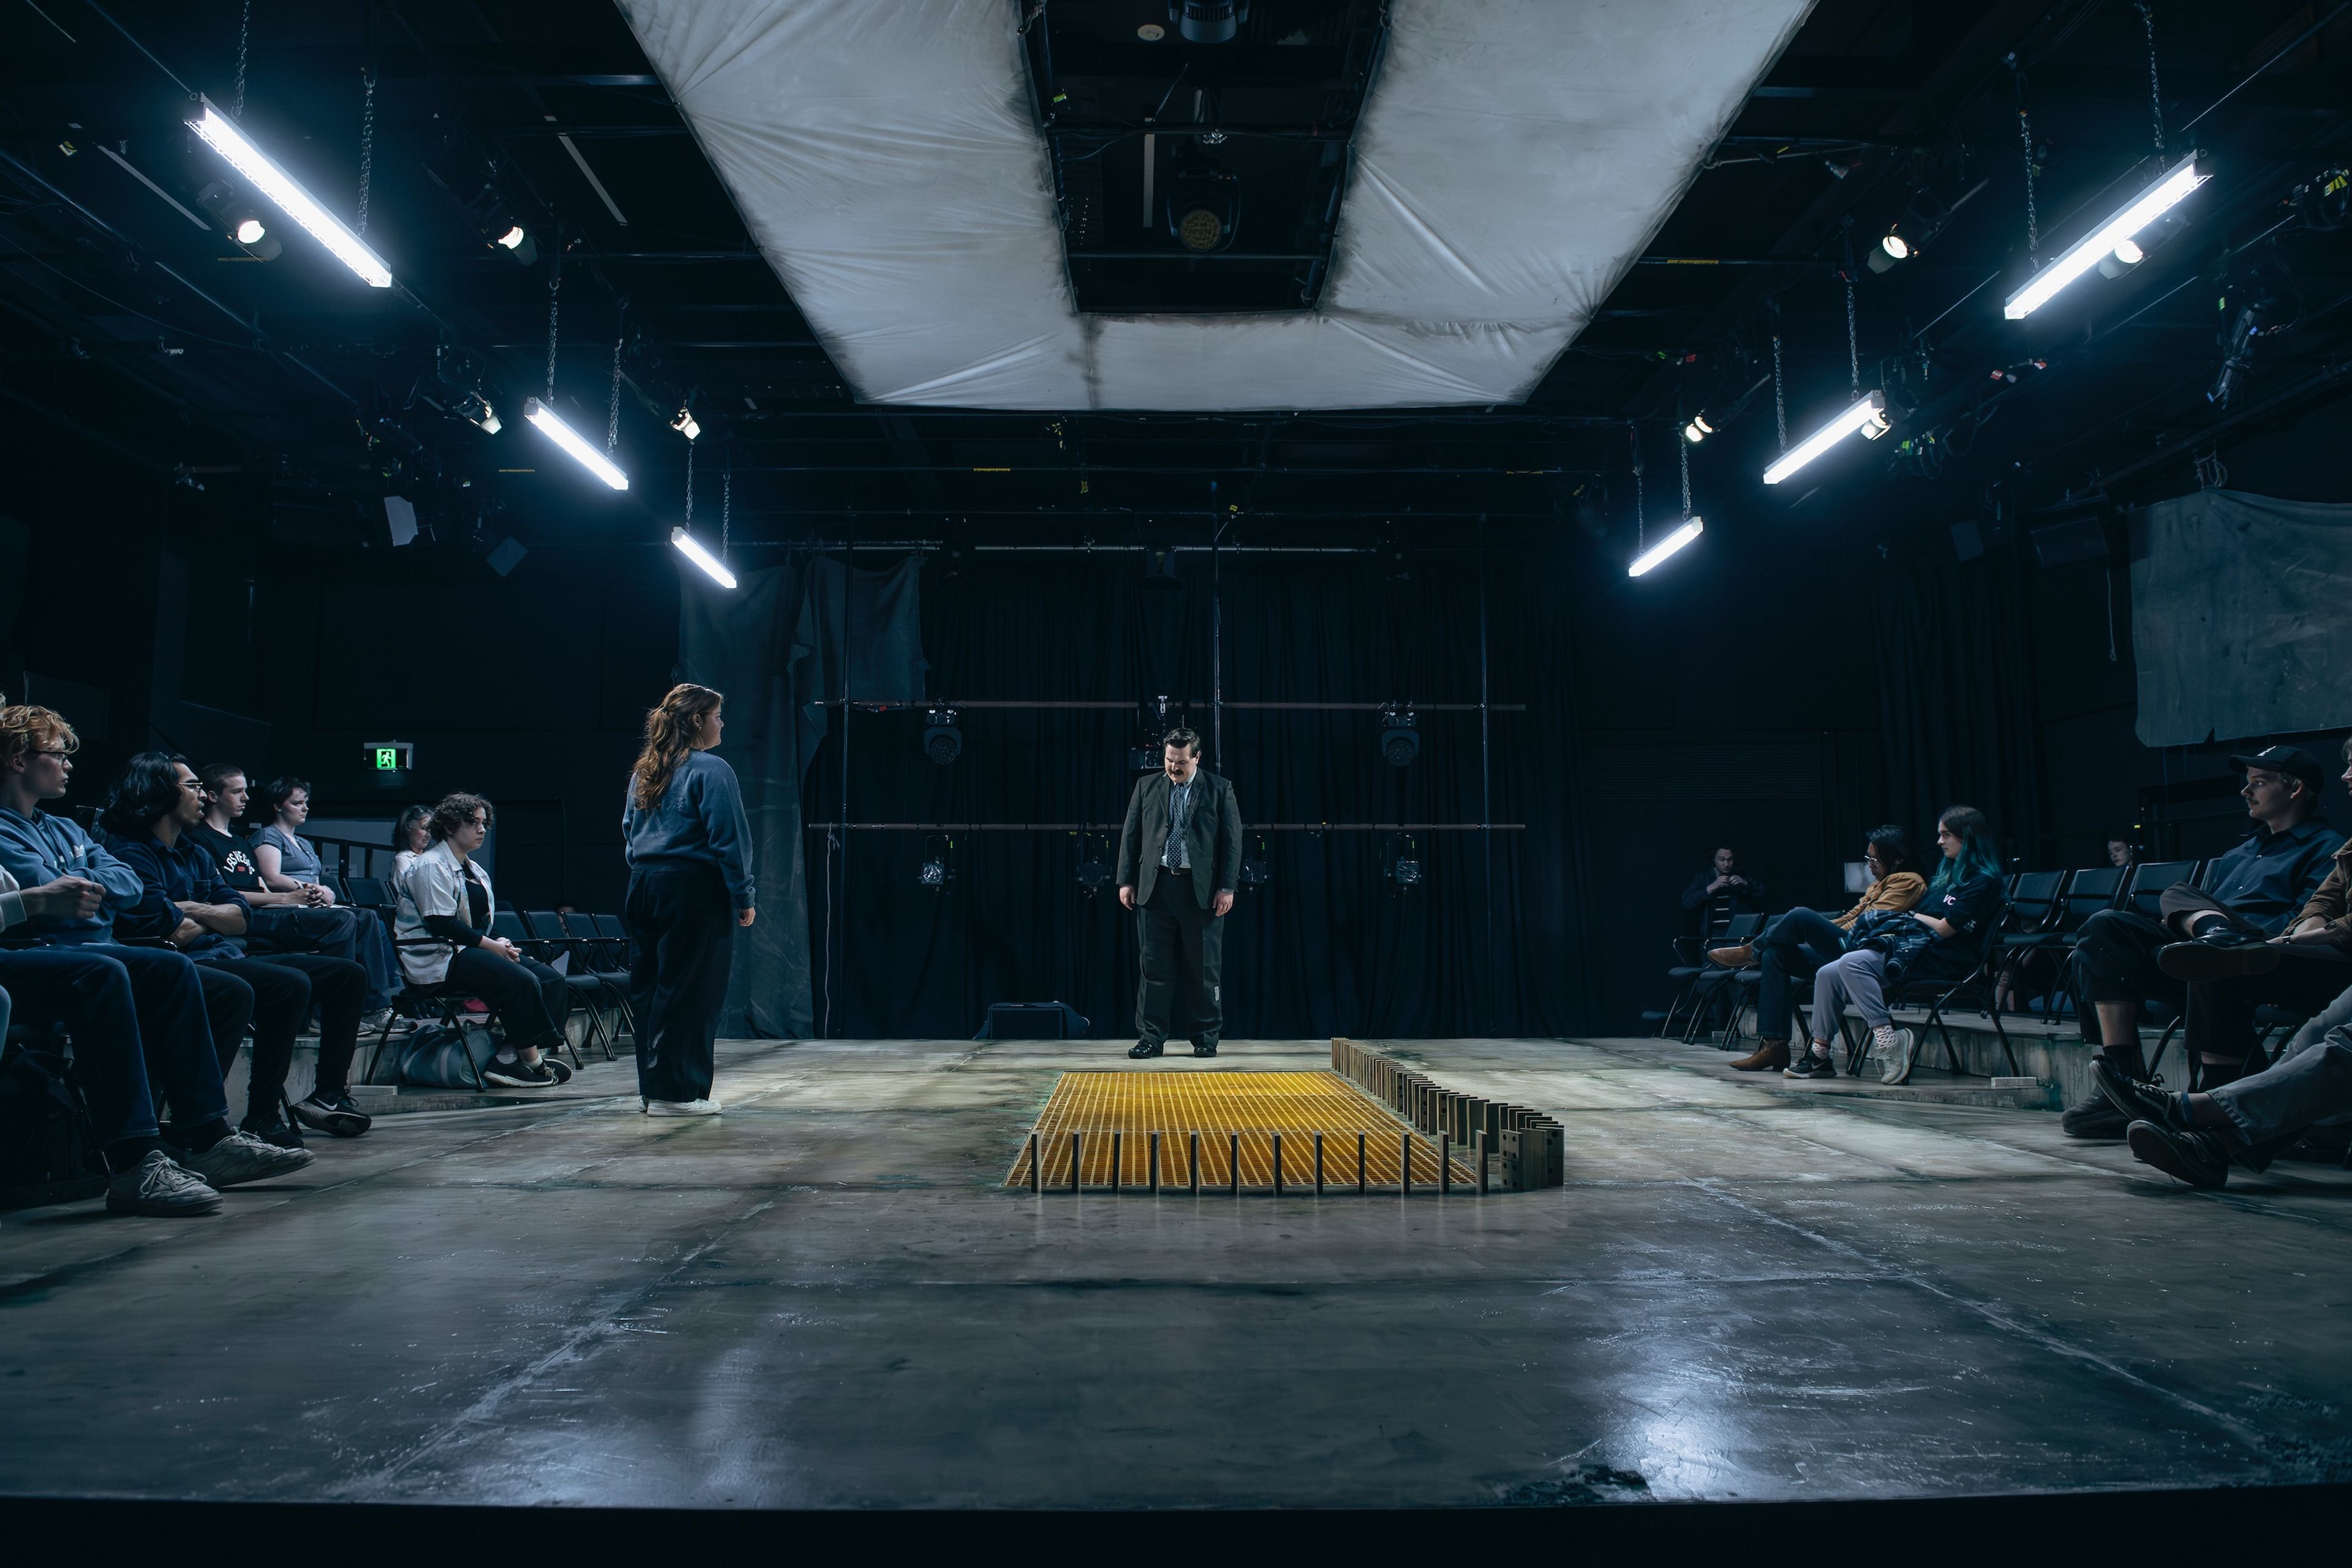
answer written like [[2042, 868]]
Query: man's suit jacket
[[1212, 837]]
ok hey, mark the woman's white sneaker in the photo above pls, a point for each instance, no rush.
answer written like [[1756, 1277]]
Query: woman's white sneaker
[[679, 1107], [241, 1157]]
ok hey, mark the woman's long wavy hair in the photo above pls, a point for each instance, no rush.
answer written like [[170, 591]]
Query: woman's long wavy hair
[[669, 734], [1979, 855]]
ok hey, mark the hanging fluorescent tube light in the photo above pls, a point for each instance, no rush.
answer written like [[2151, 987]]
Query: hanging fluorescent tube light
[[563, 435], [2159, 199], [281, 188], [1869, 417], [694, 551], [1681, 536]]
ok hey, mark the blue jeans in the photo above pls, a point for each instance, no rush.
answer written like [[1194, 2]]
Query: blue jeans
[[1791, 948], [2268, 1109], [137, 1018]]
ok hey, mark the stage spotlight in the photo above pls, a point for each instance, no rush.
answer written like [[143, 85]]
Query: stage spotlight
[[1400, 736], [942, 740], [1404, 869], [1094, 864], [273, 182], [1869, 417], [580, 452], [476, 408], [1666, 546], [517, 242], [2151, 204], [937, 872], [683, 424], [1698, 430], [244, 225], [1208, 21], [2121, 259], [1888, 251]]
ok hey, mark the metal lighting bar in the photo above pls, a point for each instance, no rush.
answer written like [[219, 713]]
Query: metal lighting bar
[[2158, 199], [694, 551], [1666, 546], [282, 188], [1868, 416], [565, 437]]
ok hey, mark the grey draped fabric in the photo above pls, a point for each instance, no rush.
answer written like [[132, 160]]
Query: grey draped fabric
[[790, 640], [2242, 617]]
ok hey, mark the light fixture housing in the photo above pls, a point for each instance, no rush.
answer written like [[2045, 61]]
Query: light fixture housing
[[513, 237], [249, 230], [1400, 736], [224, 138], [1691, 528], [1868, 416], [2086, 253], [1698, 430], [517, 242], [684, 425], [1888, 251], [692, 548], [552, 426], [942, 737]]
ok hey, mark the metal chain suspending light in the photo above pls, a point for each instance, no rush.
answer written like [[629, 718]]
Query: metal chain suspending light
[[689, 485], [1641, 517], [1852, 343], [244, 34], [1682, 450], [1780, 394], [554, 294], [2155, 91], [367, 146], [726, 494], [613, 423], [2033, 219]]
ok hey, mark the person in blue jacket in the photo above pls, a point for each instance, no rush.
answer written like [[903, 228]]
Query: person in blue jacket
[[690, 884], [1941, 939]]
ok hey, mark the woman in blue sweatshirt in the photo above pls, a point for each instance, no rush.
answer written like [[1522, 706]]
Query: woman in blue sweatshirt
[[689, 852]]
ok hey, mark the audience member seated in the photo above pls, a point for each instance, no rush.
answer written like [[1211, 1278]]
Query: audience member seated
[[165, 1029], [446, 896], [148, 816], [1796, 945], [2256, 889], [1942, 940], [2122, 853], [287, 862], [412, 836], [2300, 970], [1719, 892]]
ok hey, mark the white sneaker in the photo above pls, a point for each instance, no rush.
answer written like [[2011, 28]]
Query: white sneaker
[[679, 1107], [156, 1187], [241, 1157], [1898, 1049]]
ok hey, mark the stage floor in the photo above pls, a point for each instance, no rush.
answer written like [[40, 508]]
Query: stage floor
[[827, 1299]]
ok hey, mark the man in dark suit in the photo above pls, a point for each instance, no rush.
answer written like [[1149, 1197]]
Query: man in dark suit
[[1180, 859]]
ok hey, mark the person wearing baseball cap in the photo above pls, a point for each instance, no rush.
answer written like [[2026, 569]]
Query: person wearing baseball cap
[[2204, 937]]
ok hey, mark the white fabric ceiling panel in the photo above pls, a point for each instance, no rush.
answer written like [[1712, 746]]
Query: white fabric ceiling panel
[[1514, 157]]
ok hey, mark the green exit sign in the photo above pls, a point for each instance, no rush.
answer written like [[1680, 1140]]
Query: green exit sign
[[389, 756]]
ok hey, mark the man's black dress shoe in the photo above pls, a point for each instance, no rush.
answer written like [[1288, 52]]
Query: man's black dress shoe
[[1144, 1048], [1204, 1049], [2219, 953]]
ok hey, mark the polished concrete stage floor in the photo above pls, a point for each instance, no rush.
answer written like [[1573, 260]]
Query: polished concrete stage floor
[[824, 1299]]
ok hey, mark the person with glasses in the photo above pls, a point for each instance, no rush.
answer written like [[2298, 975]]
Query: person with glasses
[[1796, 945], [138, 1013], [1940, 940], [150, 818]]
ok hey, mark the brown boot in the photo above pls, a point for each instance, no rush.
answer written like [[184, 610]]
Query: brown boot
[[1768, 1055], [1738, 957]]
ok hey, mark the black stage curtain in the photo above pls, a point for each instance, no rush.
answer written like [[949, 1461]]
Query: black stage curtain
[[789, 640], [1956, 699], [1484, 944]]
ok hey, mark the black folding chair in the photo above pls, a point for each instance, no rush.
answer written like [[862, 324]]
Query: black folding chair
[[444, 1003], [2035, 907], [2144, 888], [609, 967], [1709, 979], [549, 938], [1939, 995]]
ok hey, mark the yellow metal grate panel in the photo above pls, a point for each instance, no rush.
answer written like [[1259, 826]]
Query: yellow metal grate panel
[[1220, 1106]]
